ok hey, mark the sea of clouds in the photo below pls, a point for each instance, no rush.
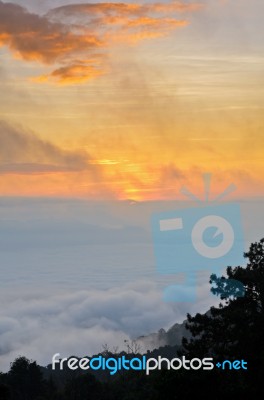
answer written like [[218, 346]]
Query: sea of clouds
[[76, 275]]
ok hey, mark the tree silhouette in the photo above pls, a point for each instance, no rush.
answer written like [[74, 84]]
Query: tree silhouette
[[25, 379], [235, 329], [5, 393], [83, 387]]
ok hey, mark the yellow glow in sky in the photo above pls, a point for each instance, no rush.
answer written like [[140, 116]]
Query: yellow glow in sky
[[135, 106]]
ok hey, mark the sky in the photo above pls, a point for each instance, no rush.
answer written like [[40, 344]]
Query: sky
[[130, 100], [106, 111]]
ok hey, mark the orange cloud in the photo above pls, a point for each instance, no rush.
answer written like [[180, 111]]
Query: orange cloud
[[71, 33], [74, 73], [148, 21]]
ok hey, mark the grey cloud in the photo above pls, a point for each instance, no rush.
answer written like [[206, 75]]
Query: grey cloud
[[23, 152]]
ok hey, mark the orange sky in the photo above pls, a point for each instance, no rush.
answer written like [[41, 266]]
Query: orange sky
[[131, 100]]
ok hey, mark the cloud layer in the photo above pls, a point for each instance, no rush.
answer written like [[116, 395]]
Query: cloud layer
[[78, 274], [38, 324], [75, 39], [88, 318]]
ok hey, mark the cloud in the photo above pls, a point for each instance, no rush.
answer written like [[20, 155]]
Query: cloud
[[75, 39], [23, 152], [131, 9], [170, 173], [40, 323], [74, 73], [88, 319], [35, 38]]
